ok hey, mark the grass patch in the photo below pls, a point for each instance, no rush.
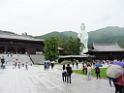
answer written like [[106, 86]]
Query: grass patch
[[103, 72]]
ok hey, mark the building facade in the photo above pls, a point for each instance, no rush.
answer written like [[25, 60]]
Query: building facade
[[12, 43], [106, 51]]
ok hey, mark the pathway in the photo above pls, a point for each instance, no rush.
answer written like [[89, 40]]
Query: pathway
[[38, 80]]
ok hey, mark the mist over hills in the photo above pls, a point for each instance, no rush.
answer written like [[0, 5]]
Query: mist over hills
[[110, 34]]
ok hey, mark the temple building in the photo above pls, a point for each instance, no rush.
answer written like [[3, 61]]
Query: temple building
[[106, 51], [13, 43]]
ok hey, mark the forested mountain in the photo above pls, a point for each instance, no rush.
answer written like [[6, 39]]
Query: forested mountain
[[58, 34], [108, 34]]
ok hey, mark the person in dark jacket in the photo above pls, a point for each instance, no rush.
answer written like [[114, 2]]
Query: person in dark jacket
[[63, 67], [52, 65], [69, 72], [97, 71], [2, 62]]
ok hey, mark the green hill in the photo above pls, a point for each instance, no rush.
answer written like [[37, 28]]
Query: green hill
[[107, 35], [58, 34]]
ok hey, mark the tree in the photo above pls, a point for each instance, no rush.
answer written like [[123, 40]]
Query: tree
[[77, 45], [71, 46], [51, 48]]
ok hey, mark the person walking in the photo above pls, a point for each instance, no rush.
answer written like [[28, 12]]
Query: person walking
[[73, 64], [119, 84], [97, 71], [26, 65], [76, 64], [19, 65], [52, 64], [84, 68], [64, 73], [2, 62], [45, 65], [63, 67], [110, 81], [69, 72], [16, 63], [89, 69]]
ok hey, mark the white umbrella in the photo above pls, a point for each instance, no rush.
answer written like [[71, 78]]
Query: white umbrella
[[53, 62], [114, 71], [66, 62]]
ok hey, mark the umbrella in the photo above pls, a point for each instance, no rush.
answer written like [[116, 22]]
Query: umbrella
[[119, 63], [46, 61], [114, 71], [53, 62], [98, 65], [66, 62]]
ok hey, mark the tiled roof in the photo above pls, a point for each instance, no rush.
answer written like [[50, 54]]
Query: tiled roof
[[18, 37], [106, 47]]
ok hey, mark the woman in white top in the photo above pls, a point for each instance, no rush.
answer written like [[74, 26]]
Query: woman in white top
[[64, 73], [89, 69]]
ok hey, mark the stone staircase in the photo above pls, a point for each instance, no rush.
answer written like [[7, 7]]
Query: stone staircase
[[22, 58], [37, 59]]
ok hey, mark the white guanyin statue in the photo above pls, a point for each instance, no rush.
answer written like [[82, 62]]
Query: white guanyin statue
[[83, 35]]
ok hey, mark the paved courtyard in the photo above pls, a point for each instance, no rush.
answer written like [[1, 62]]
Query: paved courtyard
[[38, 80]]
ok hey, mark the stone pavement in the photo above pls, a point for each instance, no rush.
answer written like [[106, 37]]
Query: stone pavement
[[38, 80]]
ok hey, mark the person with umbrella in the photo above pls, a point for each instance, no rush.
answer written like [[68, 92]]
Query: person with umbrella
[[116, 71], [97, 70], [119, 82]]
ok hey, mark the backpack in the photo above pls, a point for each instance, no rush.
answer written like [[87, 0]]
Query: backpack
[[70, 70], [120, 81], [2, 60], [97, 70]]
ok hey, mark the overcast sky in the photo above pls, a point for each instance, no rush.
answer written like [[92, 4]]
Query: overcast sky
[[38, 17]]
